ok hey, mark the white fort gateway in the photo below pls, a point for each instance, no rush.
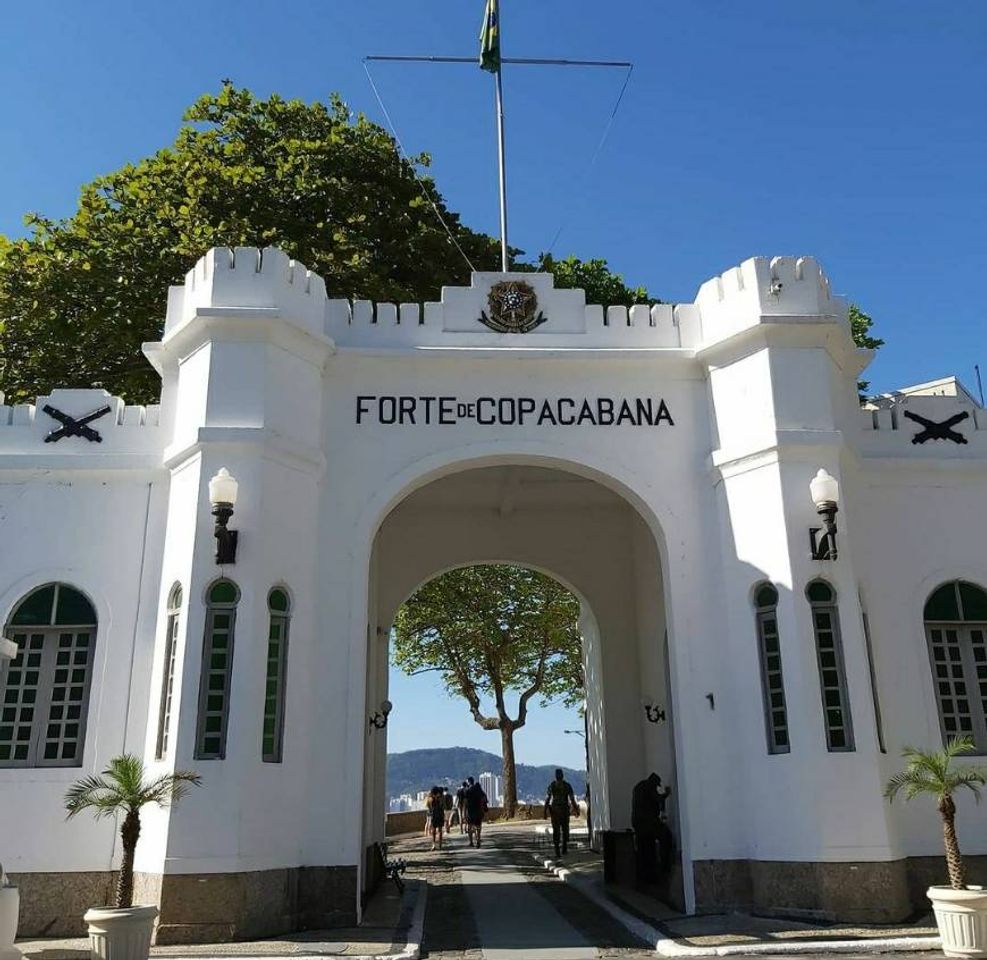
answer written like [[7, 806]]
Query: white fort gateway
[[657, 461]]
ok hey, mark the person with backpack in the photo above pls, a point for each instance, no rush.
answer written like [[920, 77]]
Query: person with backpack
[[475, 805], [560, 801]]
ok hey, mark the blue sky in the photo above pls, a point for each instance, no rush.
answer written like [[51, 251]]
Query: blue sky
[[852, 131]]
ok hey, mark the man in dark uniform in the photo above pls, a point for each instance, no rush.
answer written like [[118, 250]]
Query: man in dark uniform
[[647, 812], [559, 802], [475, 804]]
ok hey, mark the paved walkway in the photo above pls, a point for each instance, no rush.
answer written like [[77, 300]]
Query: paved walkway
[[498, 903], [512, 920]]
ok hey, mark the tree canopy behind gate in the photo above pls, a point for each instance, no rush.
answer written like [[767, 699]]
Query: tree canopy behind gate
[[491, 630], [79, 296]]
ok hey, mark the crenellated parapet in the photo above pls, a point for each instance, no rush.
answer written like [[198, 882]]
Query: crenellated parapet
[[933, 421], [759, 290], [79, 422], [245, 283], [245, 280]]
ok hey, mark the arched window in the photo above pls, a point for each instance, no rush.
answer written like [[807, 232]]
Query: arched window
[[956, 630], [772, 680], [279, 606], [44, 690], [217, 670], [832, 673], [168, 670]]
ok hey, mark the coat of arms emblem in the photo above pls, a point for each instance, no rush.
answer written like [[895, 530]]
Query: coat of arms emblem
[[513, 306]]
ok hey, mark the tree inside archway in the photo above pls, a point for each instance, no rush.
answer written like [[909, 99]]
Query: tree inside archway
[[492, 631]]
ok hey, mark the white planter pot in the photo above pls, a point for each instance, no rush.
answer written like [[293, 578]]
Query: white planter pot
[[962, 919], [9, 906], [120, 934]]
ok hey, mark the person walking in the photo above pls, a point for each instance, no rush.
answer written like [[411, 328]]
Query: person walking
[[436, 815], [447, 806], [457, 812], [475, 804], [560, 801]]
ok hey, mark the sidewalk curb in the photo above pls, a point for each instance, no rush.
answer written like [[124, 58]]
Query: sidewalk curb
[[666, 946], [411, 951]]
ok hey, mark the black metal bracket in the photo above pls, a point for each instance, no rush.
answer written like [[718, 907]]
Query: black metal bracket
[[72, 427], [938, 431], [225, 538], [822, 543], [654, 713], [378, 721]]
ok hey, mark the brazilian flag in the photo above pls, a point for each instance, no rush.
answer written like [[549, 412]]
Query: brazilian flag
[[490, 38]]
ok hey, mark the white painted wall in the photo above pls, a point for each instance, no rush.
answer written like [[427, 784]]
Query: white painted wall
[[261, 373]]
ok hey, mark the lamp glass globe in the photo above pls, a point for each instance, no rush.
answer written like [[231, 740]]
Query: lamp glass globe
[[223, 488], [824, 489]]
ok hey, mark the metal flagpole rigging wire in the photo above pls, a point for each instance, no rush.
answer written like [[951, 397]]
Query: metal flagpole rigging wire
[[596, 152], [547, 62], [404, 155]]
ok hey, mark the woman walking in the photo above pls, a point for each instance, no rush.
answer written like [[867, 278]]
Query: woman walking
[[436, 815]]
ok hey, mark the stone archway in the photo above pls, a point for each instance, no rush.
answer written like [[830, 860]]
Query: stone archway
[[583, 534]]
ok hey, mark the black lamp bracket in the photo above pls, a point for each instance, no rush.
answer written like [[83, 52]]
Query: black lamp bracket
[[822, 540], [225, 538]]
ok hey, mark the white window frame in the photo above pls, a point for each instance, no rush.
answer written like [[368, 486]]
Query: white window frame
[[281, 619], [49, 643], [832, 610], [174, 612], [202, 733], [970, 645], [772, 680]]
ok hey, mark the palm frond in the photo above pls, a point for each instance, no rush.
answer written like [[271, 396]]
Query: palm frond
[[122, 786], [170, 788], [932, 772], [92, 793]]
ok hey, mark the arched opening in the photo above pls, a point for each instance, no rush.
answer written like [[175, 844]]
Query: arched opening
[[592, 540]]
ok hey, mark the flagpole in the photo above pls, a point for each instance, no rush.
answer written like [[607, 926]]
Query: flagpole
[[504, 256]]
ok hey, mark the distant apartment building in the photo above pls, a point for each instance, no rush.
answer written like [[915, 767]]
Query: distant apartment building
[[493, 787], [402, 803]]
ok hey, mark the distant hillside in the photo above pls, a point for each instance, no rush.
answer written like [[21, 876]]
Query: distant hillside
[[417, 770]]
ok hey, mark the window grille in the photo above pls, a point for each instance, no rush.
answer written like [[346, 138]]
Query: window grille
[[279, 606], [168, 671], [832, 672], [217, 670], [772, 679], [44, 690], [956, 632]]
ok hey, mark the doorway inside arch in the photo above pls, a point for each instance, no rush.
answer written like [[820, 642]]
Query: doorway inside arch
[[586, 537]]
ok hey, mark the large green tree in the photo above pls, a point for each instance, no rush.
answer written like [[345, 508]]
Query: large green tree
[[489, 631], [79, 295]]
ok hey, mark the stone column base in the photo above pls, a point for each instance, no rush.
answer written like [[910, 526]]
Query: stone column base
[[860, 892], [197, 907]]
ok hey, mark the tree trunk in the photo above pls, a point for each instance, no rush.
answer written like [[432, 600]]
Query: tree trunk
[[129, 834], [954, 859], [510, 770]]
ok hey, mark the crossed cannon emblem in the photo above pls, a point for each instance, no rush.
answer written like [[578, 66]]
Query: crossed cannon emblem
[[938, 431], [72, 427]]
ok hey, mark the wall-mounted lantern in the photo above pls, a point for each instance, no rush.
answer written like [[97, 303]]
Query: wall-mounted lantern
[[222, 495], [825, 493], [653, 712], [378, 720]]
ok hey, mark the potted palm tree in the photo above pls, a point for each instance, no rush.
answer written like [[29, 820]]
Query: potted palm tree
[[960, 909], [123, 931]]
